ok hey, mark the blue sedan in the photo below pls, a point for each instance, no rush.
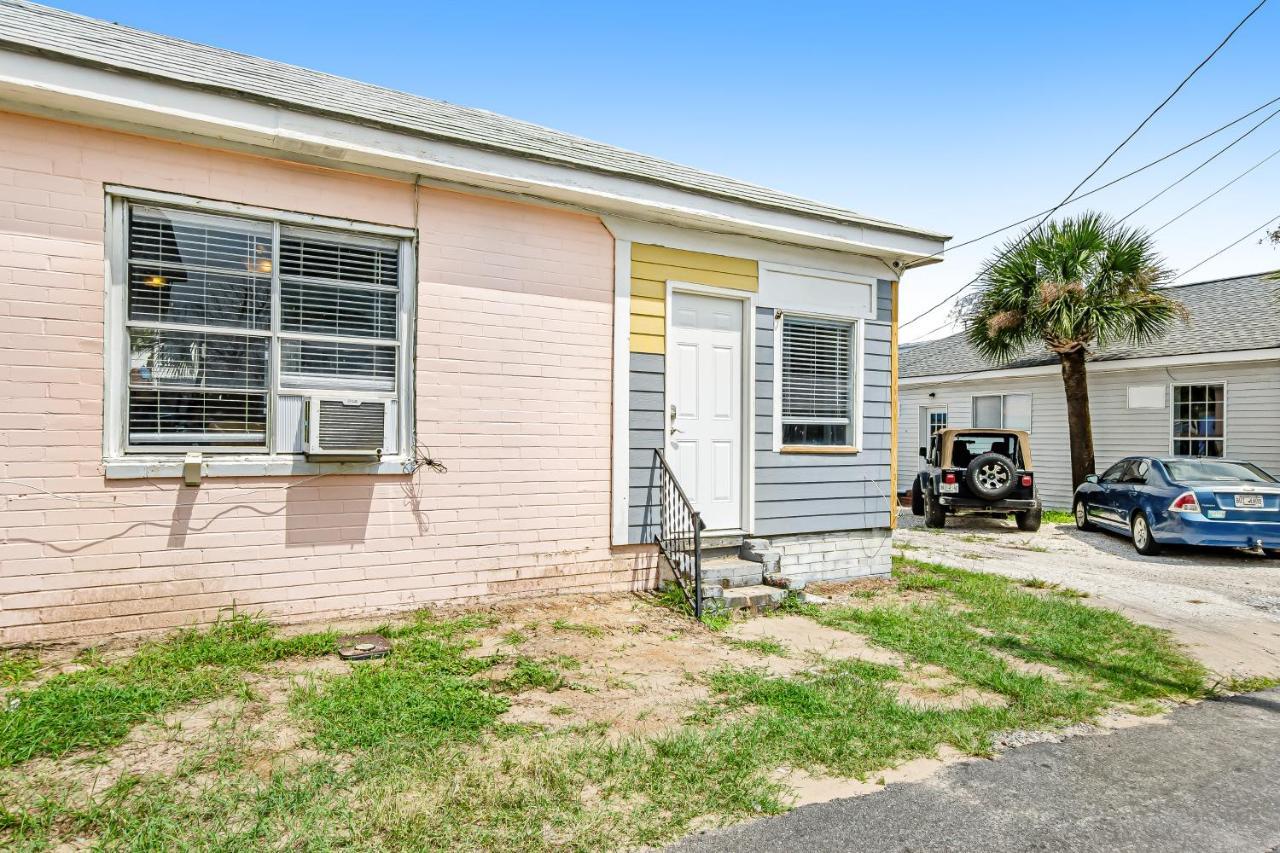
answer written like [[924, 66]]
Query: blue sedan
[[1215, 502]]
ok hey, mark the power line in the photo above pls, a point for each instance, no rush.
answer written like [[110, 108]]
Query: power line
[[1215, 192], [1227, 248], [1219, 190], [1202, 164], [1105, 186], [1104, 162]]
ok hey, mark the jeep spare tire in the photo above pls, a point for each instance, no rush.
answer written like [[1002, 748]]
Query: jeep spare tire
[[990, 476]]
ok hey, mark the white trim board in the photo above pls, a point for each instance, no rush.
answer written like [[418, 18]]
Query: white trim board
[[50, 87], [1227, 357], [621, 503]]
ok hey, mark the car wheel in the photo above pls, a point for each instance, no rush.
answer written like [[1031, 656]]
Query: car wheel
[[935, 514], [917, 498], [1029, 520], [1143, 541], [1082, 516]]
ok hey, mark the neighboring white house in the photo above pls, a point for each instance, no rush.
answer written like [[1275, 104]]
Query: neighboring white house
[[1209, 387]]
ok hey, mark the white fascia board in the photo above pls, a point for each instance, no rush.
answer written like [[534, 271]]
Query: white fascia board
[[1230, 357], [46, 86]]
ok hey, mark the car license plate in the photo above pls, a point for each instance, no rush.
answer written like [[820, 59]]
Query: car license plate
[[949, 488], [1248, 501]]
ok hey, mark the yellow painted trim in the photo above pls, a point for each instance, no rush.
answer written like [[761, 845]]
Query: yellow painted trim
[[693, 260], [653, 266], [658, 272], [893, 404], [655, 344]]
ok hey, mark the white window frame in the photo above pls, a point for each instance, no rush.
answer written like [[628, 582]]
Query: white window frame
[[973, 408], [1173, 417], [857, 393], [122, 461]]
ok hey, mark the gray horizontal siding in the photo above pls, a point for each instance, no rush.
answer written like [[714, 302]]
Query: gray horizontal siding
[[884, 300], [647, 432], [809, 493]]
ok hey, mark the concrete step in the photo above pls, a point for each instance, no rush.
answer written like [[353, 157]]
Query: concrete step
[[731, 572], [758, 551], [754, 599]]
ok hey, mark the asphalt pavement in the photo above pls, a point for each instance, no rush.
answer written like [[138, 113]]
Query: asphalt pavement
[[1205, 778]]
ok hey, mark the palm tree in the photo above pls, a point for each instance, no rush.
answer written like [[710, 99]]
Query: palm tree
[[1073, 285]]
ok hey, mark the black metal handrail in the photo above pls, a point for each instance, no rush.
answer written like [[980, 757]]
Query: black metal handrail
[[679, 536]]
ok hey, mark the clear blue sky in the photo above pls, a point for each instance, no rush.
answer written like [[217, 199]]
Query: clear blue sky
[[959, 117]]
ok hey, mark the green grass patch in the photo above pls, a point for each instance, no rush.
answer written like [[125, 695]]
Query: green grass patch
[[97, 706], [672, 597], [17, 667], [585, 630], [529, 674], [762, 646], [1057, 516]]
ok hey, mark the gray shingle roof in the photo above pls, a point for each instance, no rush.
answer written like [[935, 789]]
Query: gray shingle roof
[[1227, 314], [31, 28]]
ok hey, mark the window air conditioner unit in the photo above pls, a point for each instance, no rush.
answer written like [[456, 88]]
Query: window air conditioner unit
[[344, 430]]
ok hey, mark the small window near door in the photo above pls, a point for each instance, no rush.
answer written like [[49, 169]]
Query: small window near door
[[817, 370], [1199, 420], [937, 420], [1002, 411]]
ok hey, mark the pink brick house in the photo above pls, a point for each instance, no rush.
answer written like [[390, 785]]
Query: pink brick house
[[281, 341]]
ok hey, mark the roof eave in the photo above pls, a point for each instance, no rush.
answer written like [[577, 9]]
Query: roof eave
[[18, 90]]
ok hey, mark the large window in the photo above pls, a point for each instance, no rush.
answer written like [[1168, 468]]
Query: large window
[[1002, 411], [817, 374], [230, 321], [1199, 420]]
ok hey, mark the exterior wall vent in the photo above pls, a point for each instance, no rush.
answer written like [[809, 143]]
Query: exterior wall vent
[[346, 430]]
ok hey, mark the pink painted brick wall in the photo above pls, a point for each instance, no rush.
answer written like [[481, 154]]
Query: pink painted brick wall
[[513, 382]]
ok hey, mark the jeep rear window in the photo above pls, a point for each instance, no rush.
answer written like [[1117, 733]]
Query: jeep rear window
[[965, 448]]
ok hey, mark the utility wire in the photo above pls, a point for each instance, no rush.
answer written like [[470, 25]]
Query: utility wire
[[1099, 189], [1220, 189], [1202, 164], [1215, 192], [1227, 247], [1104, 162]]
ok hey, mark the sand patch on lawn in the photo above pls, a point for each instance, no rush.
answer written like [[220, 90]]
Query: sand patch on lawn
[[806, 637]]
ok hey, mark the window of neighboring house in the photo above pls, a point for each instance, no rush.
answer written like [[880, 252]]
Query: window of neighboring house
[[937, 420], [1002, 411], [817, 377], [231, 321], [1199, 420]]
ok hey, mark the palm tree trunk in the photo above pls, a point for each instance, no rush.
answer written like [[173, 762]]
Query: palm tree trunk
[[1076, 383]]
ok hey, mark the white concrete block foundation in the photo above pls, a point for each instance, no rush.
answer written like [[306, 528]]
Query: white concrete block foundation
[[843, 555]]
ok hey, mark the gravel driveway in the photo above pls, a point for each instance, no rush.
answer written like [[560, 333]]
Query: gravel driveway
[[1224, 605]]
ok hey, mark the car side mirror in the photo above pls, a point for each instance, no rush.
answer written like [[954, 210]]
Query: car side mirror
[[1091, 478], [923, 453]]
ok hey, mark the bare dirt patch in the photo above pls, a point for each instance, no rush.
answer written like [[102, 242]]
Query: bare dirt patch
[[806, 637]]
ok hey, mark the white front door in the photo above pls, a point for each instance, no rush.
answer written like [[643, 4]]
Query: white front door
[[704, 405]]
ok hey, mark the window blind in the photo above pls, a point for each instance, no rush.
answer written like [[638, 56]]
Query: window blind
[[338, 288], [817, 360]]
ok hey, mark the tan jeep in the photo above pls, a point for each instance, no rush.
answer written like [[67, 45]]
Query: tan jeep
[[977, 472]]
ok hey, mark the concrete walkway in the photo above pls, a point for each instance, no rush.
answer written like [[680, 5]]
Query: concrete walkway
[[1207, 778]]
